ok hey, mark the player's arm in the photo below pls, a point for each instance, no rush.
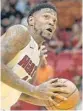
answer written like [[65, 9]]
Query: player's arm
[[36, 101], [40, 102], [14, 40], [32, 100]]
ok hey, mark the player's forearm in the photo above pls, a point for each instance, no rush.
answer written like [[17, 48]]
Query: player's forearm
[[32, 100], [11, 79]]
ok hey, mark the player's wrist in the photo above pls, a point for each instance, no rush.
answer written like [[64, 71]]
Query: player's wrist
[[37, 92], [34, 91]]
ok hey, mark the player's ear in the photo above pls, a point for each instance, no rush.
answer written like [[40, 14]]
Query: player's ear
[[31, 21]]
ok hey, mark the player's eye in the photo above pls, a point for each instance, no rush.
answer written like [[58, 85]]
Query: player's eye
[[46, 16], [54, 21]]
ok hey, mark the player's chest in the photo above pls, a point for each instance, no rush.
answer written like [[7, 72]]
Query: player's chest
[[26, 61]]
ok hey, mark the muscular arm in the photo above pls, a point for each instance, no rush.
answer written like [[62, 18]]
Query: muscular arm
[[30, 99], [13, 41]]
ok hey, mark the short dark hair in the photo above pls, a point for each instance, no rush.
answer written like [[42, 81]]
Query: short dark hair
[[40, 6]]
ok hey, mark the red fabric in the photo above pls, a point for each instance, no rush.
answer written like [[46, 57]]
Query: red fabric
[[65, 37], [64, 61], [75, 41], [20, 105], [27, 106], [51, 58], [64, 66], [68, 65], [77, 57]]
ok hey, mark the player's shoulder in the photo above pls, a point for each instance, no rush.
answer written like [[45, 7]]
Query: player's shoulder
[[18, 29], [19, 26]]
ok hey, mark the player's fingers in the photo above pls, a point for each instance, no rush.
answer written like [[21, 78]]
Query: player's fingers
[[45, 55], [44, 51], [43, 47], [55, 103], [59, 85], [53, 95], [60, 89], [58, 96], [53, 80]]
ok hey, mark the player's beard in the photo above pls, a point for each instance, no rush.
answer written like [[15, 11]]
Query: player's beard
[[43, 33]]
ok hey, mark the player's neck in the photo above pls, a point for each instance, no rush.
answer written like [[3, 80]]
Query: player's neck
[[39, 40]]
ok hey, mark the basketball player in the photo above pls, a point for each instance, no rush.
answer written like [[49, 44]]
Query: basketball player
[[21, 53]]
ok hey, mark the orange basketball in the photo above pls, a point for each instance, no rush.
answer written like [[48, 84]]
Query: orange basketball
[[72, 97]]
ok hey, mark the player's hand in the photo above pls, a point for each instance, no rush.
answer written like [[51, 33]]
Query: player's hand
[[43, 51], [51, 89], [43, 55]]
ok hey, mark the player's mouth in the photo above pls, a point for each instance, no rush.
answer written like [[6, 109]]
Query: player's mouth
[[49, 29]]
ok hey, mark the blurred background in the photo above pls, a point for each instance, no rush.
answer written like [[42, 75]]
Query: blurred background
[[64, 50]]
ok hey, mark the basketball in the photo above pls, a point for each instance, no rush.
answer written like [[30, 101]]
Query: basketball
[[72, 97]]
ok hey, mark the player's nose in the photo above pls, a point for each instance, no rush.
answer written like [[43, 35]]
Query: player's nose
[[51, 22]]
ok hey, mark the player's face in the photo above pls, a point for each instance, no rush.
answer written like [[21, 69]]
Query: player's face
[[45, 22]]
